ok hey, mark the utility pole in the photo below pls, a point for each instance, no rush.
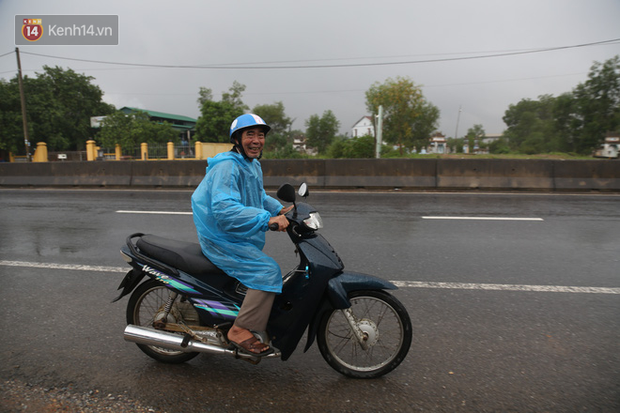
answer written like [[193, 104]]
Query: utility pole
[[379, 132], [458, 117], [23, 99]]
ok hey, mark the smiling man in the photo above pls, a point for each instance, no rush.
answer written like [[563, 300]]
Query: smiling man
[[232, 213], [252, 142]]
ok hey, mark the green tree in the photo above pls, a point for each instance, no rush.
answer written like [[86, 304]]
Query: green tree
[[59, 105], [338, 149], [474, 137], [408, 119], [320, 131], [499, 146], [11, 130], [576, 121], [213, 124], [275, 117], [279, 142], [233, 96], [531, 125], [596, 104], [566, 122], [204, 95], [424, 125], [130, 131], [455, 145], [359, 147]]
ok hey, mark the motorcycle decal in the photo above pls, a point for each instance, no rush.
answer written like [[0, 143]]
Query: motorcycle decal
[[216, 308], [176, 284]]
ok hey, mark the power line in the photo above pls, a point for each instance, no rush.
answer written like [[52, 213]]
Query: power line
[[354, 90], [270, 66]]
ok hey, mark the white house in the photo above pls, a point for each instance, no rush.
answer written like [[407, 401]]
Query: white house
[[299, 144], [610, 148], [363, 127], [490, 138], [438, 144]]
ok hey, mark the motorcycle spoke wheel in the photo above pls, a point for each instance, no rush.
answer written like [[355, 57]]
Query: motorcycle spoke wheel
[[146, 302], [386, 327]]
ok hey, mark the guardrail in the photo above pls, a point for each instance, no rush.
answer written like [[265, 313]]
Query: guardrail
[[405, 174]]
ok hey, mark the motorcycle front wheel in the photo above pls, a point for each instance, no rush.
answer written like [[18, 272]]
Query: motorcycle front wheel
[[385, 326], [145, 304]]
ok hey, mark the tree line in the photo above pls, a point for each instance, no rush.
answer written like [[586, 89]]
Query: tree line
[[60, 103], [576, 121]]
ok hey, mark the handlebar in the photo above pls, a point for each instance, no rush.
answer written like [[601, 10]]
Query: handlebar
[[274, 226]]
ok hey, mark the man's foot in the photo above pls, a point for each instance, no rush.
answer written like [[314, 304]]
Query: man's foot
[[245, 341]]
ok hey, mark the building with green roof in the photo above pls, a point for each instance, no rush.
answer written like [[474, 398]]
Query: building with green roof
[[184, 124]]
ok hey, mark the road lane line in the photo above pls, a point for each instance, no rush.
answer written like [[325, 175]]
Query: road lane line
[[154, 212], [52, 266], [424, 217], [483, 218], [507, 287], [401, 284]]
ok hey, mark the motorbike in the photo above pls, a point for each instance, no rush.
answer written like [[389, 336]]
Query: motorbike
[[186, 305]]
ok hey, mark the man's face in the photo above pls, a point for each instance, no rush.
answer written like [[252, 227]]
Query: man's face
[[252, 141]]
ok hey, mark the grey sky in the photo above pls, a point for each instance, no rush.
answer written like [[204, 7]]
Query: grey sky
[[328, 33]]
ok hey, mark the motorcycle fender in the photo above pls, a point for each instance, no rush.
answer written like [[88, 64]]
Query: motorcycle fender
[[339, 287], [131, 281], [336, 296]]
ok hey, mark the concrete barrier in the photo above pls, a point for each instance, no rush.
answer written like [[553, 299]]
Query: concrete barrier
[[407, 174], [381, 173], [66, 174], [276, 172], [167, 173], [587, 175], [494, 174]]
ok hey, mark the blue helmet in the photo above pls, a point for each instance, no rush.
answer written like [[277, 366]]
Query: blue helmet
[[247, 121]]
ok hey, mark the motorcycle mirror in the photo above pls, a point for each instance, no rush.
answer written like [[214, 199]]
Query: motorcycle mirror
[[303, 190], [286, 192]]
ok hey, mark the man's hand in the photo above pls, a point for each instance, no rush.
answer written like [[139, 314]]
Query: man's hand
[[285, 210], [281, 220]]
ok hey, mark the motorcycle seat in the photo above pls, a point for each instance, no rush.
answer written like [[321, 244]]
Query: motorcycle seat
[[185, 256]]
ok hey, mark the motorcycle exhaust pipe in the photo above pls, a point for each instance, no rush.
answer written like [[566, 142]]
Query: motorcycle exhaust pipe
[[150, 337]]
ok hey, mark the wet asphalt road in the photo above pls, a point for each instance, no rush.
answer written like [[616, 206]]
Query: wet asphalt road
[[473, 349]]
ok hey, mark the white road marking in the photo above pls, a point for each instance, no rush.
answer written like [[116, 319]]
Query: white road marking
[[52, 266], [154, 212], [507, 287], [425, 217], [401, 284], [485, 218]]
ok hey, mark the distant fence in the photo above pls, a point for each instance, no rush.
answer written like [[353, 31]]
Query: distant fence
[[386, 174], [73, 156], [169, 151]]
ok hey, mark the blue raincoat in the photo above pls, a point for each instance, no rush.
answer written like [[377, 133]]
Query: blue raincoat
[[231, 214]]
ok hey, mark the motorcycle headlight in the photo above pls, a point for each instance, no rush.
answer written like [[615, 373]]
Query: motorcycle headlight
[[314, 221]]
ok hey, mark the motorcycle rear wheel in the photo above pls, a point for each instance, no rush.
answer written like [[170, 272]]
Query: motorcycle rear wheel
[[385, 323], [144, 304]]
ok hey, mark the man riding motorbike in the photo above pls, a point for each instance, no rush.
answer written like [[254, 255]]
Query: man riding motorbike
[[232, 213]]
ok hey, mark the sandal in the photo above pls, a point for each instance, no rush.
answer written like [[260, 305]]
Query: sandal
[[253, 346]]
